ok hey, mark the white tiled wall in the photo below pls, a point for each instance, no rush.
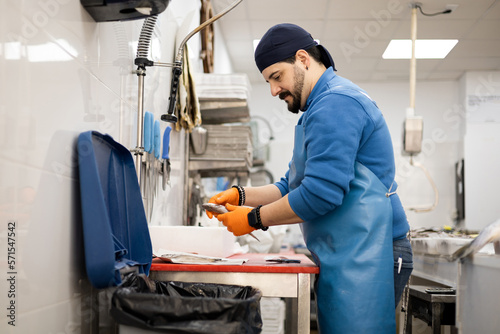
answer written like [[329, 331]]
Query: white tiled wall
[[62, 74]]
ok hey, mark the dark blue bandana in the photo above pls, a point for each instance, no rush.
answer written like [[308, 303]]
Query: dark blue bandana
[[283, 41]]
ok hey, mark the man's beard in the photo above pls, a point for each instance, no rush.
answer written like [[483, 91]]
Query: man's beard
[[294, 106]]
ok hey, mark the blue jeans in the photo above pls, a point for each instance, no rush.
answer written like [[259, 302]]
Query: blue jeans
[[402, 248]]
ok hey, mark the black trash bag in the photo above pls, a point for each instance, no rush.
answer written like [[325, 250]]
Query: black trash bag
[[181, 308]]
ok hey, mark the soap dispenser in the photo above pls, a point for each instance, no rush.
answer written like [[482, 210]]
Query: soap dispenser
[[123, 10]]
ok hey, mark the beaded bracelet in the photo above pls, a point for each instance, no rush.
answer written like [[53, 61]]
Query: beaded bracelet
[[254, 219], [241, 192], [259, 222]]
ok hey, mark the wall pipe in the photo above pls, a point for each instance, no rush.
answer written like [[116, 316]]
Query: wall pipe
[[142, 61], [413, 60], [139, 150], [411, 109]]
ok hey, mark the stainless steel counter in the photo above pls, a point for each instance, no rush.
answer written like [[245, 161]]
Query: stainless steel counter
[[429, 259], [476, 279], [478, 302]]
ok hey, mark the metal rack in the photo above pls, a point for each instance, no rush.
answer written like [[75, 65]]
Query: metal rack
[[229, 148]]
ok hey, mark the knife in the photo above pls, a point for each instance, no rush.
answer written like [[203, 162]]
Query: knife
[[148, 148], [280, 259], [157, 139], [165, 156], [156, 148], [148, 123]]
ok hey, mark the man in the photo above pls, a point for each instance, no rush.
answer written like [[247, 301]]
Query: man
[[340, 186]]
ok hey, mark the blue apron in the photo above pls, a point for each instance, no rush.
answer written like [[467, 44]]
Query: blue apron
[[352, 245]]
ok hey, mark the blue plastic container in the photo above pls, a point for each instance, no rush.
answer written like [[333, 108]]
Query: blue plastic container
[[115, 229]]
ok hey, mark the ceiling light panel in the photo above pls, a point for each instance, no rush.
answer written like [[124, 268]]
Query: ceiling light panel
[[424, 48]]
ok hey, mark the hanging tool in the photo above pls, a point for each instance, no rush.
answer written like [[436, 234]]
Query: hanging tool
[[157, 149], [147, 145], [165, 157], [149, 159], [157, 139]]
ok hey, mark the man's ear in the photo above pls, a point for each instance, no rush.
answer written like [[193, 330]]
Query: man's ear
[[303, 57]]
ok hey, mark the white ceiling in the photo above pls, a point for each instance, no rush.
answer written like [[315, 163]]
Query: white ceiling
[[341, 24]]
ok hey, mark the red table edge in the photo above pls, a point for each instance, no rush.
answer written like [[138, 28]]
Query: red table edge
[[255, 264]]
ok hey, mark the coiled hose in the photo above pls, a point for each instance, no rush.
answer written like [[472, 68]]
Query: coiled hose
[[145, 37]]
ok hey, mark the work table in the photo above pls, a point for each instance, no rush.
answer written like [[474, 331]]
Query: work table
[[287, 280], [256, 263]]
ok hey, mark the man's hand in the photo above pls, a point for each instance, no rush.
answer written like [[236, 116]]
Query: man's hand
[[231, 196], [236, 220]]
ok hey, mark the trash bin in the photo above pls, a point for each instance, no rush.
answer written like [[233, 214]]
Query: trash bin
[[118, 255], [182, 308]]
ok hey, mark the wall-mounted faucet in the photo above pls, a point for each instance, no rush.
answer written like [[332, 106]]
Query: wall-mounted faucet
[[177, 66], [142, 62]]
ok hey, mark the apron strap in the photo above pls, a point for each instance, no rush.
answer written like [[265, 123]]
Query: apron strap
[[389, 193]]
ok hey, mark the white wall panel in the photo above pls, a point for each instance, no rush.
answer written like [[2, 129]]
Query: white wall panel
[[61, 74]]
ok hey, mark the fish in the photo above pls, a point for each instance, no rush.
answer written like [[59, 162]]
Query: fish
[[215, 208], [491, 233], [220, 209]]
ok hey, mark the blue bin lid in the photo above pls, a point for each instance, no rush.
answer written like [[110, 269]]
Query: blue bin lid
[[115, 229]]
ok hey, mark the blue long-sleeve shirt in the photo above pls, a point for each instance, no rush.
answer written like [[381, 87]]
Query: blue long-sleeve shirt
[[341, 125]]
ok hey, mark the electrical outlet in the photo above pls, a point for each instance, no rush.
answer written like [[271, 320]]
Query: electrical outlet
[[451, 7], [412, 135]]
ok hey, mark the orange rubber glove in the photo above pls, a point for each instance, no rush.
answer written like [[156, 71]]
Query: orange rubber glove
[[231, 196], [236, 220]]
